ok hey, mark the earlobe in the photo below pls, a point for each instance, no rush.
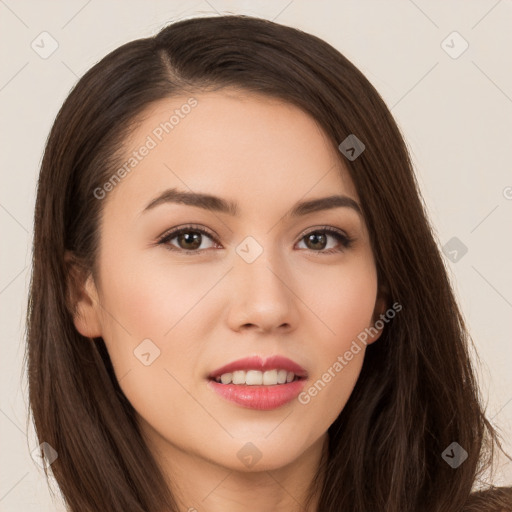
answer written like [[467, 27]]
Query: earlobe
[[82, 299], [86, 317]]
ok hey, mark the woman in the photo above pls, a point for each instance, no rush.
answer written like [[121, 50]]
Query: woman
[[237, 301]]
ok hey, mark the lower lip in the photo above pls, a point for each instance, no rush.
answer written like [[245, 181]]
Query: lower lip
[[263, 398]]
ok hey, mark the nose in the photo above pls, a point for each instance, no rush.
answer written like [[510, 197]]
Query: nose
[[262, 297]]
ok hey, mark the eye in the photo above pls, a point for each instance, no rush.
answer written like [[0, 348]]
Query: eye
[[317, 240], [188, 238]]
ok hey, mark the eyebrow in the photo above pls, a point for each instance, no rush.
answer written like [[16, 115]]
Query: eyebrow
[[217, 204]]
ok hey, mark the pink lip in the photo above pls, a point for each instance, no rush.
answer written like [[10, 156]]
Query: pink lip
[[258, 363], [262, 398]]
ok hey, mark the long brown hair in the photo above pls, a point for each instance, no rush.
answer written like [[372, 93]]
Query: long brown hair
[[417, 392]]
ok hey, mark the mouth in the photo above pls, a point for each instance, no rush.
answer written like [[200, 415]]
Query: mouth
[[258, 371], [273, 377], [260, 384]]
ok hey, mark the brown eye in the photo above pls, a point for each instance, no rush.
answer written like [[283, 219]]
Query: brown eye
[[188, 239], [317, 241]]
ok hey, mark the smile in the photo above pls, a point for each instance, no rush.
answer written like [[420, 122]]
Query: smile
[[257, 378], [258, 383]]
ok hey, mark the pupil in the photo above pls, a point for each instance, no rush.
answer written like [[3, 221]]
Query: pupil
[[314, 237], [193, 239]]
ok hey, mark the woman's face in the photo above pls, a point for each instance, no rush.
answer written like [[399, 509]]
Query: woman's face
[[266, 280]]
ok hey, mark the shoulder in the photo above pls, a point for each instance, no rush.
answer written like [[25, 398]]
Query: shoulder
[[495, 499]]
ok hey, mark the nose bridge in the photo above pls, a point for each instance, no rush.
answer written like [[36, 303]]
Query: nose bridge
[[261, 258], [262, 292]]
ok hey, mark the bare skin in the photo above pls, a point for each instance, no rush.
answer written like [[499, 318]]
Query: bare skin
[[210, 308]]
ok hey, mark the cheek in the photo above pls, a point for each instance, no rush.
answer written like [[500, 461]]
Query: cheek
[[342, 297], [154, 297], [146, 298], [153, 334], [345, 301], [327, 392]]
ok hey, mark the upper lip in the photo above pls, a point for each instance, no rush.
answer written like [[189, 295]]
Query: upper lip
[[262, 364]]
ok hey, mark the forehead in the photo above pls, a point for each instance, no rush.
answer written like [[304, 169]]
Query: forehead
[[229, 143]]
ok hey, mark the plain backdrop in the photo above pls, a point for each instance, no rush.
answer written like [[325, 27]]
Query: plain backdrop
[[452, 103]]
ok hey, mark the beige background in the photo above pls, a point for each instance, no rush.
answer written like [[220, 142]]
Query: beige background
[[456, 114]]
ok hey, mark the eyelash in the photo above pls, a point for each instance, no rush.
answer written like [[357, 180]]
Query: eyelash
[[344, 240]]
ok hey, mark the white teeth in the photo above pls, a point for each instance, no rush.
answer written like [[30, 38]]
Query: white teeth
[[226, 378], [256, 378], [281, 376], [238, 377], [270, 378]]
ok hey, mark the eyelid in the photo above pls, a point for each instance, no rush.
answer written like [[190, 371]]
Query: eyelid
[[314, 229], [187, 227]]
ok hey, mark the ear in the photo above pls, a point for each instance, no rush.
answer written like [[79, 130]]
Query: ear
[[82, 298], [381, 305]]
